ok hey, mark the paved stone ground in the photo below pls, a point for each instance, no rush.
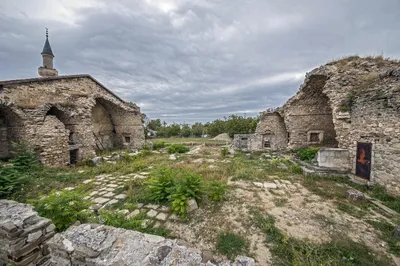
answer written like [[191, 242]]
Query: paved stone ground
[[107, 192]]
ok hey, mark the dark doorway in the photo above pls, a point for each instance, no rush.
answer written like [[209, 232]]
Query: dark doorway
[[363, 160], [73, 156]]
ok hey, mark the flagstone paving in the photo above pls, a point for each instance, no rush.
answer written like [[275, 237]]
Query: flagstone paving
[[108, 189]]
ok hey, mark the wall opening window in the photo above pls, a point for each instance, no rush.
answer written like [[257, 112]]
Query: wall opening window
[[127, 139], [314, 137], [267, 144]]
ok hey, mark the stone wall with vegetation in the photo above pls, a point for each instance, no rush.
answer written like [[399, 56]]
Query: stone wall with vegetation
[[23, 235], [72, 101]]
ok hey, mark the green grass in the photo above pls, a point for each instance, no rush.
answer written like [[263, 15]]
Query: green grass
[[232, 245], [386, 234], [352, 210], [287, 250]]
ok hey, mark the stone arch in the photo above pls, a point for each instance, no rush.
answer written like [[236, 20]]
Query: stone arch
[[272, 128], [104, 115], [308, 116], [11, 130]]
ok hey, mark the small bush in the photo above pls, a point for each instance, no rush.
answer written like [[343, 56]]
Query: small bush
[[224, 152], [63, 207], [147, 147], [159, 145], [307, 154], [189, 187], [231, 245], [216, 191], [177, 148], [160, 184], [15, 174], [296, 169]]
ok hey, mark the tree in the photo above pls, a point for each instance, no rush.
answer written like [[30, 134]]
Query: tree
[[186, 131], [154, 124]]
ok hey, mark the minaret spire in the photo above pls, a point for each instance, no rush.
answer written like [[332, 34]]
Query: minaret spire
[[47, 70]]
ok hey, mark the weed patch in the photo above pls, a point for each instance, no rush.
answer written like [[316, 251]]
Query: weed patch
[[290, 251], [232, 245]]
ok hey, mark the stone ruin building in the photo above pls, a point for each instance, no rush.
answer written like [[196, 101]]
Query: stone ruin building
[[351, 108], [66, 118]]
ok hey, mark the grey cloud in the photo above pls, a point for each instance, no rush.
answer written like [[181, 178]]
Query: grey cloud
[[198, 60]]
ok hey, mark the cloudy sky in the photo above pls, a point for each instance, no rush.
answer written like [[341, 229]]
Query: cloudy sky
[[195, 60]]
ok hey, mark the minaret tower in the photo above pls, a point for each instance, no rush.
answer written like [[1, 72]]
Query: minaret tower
[[47, 70]]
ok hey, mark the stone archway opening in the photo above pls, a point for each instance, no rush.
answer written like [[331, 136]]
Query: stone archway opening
[[11, 130], [309, 116], [104, 115]]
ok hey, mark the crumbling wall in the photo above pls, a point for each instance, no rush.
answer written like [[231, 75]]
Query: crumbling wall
[[75, 97], [23, 235], [93, 244], [273, 131], [308, 115]]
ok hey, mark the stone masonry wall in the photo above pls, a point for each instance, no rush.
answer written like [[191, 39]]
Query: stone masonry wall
[[23, 235], [375, 118], [54, 142], [74, 97]]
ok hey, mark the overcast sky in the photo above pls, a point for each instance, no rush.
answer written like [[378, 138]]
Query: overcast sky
[[195, 60]]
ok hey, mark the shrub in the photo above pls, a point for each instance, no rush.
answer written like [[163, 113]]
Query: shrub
[[177, 148], [189, 187], [159, 145], [231, 245], [63, 207], [147, 146], [296, 169], [160, 184], [224, 152], [15, 174], [216, 191], [307, 154]]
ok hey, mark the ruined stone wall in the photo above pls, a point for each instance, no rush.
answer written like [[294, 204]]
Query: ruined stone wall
[[11, 130], [94, 244], [23, 235], [375, 118], [308, 113], [74, 98], [28, 239], [272, 129]]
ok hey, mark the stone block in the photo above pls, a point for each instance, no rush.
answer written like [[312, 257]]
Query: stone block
[[162, 216], [355, 195], [192, 206], [152, 213]]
